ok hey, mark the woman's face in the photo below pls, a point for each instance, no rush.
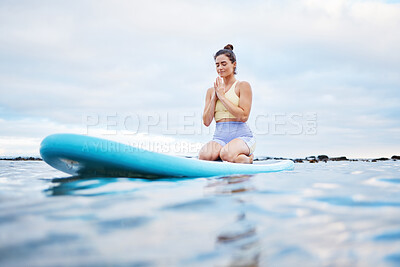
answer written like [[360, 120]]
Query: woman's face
[[224, 66]]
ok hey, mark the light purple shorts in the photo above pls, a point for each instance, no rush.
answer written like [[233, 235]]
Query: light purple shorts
[[227, 131]]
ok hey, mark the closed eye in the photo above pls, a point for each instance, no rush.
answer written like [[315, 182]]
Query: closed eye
[[223, 63]]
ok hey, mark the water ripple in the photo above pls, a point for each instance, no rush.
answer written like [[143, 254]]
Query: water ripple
[[388, 236], [393, 258], [391, 180], [30, 247], [122, 223], [351, 202], [192, 205]]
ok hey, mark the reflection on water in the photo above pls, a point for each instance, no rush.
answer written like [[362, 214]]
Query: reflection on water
[[333, 214], [86, 186], [229, 185], [81, 186], [239, 238]]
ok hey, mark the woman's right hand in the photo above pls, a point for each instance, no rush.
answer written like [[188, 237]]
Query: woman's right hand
[[219, 87]]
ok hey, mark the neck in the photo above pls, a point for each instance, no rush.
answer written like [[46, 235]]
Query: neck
[[229, 79]]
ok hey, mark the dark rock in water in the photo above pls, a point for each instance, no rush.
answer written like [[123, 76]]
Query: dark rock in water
[[395, 157], [323, 158], [262, 158], [339, 159], [298, 160], [280, 158], [380, 159], [312, 159]]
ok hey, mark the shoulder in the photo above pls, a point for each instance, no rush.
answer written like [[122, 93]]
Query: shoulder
[[210, 90], [243, 85]]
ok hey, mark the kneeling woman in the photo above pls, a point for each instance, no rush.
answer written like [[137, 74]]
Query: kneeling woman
[[229, 103]]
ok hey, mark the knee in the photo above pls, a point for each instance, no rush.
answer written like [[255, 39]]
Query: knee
[[226, 155], [210, 151], [203, 155]]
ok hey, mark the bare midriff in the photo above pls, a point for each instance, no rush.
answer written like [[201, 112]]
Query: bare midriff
[[228, 119]]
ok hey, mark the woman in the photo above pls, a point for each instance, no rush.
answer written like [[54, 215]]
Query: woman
[[229, 103]]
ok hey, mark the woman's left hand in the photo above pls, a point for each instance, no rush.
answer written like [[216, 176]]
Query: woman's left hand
[[219, 87]]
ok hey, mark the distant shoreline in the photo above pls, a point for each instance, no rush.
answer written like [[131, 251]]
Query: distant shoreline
[[310, 159], [22, 158], [324, 158]]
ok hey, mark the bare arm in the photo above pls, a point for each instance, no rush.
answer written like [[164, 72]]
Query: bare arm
[[209, 109], [241, 112]]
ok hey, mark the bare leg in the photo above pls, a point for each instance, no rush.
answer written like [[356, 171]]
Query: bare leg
[[210, 151], [236, 151]]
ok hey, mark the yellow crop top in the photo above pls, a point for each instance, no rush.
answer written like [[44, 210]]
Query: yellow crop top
[[220, 110]]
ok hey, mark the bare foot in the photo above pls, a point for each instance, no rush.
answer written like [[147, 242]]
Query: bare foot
[[242, 158], [251, 157]]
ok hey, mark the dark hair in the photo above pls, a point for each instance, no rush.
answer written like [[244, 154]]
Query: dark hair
[[227, 51]]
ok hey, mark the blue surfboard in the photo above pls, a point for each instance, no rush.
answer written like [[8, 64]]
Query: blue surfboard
[[87, 156]]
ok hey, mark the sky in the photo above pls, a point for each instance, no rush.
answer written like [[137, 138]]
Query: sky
[[324, 74]]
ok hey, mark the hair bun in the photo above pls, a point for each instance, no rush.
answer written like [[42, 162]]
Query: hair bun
[[228, 47]]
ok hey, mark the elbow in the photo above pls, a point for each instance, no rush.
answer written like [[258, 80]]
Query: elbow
[[206, 121], [244, 118], [243, 115]]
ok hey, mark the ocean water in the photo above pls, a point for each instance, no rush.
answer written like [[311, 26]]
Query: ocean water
[[325, 214]]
